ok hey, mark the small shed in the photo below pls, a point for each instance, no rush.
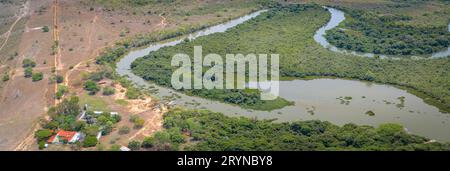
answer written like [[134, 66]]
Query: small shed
[[98, 112], [123, 148]]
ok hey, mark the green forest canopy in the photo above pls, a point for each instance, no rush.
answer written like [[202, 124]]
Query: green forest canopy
[[206, 130]]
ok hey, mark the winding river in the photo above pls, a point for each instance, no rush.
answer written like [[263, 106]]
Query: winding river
[[337, 17], [335, 100]]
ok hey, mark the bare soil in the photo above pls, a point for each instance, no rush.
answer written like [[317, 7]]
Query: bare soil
[[82, 32]]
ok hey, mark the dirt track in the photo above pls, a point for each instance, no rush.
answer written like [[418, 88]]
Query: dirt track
[[22, 13], [82, 34]]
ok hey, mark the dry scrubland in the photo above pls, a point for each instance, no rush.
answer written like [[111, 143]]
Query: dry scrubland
[[85, 28]]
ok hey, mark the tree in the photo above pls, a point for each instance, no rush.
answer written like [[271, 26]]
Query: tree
[[389, 129], [79, 125], [107, 128], [91, 130], [28, 72], [91, 86], [90, 141], [134, 145], [177, 137], [69, 107], [37, 76], [148, 142], [43, 134], [52, 125]]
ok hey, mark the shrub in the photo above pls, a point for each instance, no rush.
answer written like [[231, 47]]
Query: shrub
[[37, 76], [108, 91], [133, 118], [91, 86], [96, 76], [28, 63], [5, 77], [177, 137], [59, 79], [28, 72], [124, 130], [115, 147], [45, 29], [133, 93], [61, 91], [41, 145], [134, 145], [139, 123]]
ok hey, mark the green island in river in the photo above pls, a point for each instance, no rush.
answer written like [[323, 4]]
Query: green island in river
[[288, 31]]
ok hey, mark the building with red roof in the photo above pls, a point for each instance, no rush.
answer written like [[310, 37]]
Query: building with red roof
[[64, 136]]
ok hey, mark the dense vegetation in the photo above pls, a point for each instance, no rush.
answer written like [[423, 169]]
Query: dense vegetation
[[65, 117], [366, 31], [288, 31], [157, 67], [245, 98], [205, 130]]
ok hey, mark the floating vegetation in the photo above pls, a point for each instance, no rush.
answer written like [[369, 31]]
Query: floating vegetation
[[401, 105], [193, 103], [370, 113], [345, 100], [387, 102], [311, 110]]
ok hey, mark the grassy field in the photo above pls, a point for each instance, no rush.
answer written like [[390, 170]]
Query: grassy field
[[289, 32], [95, 103]]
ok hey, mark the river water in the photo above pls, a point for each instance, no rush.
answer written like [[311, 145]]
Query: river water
[[335, 100]]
